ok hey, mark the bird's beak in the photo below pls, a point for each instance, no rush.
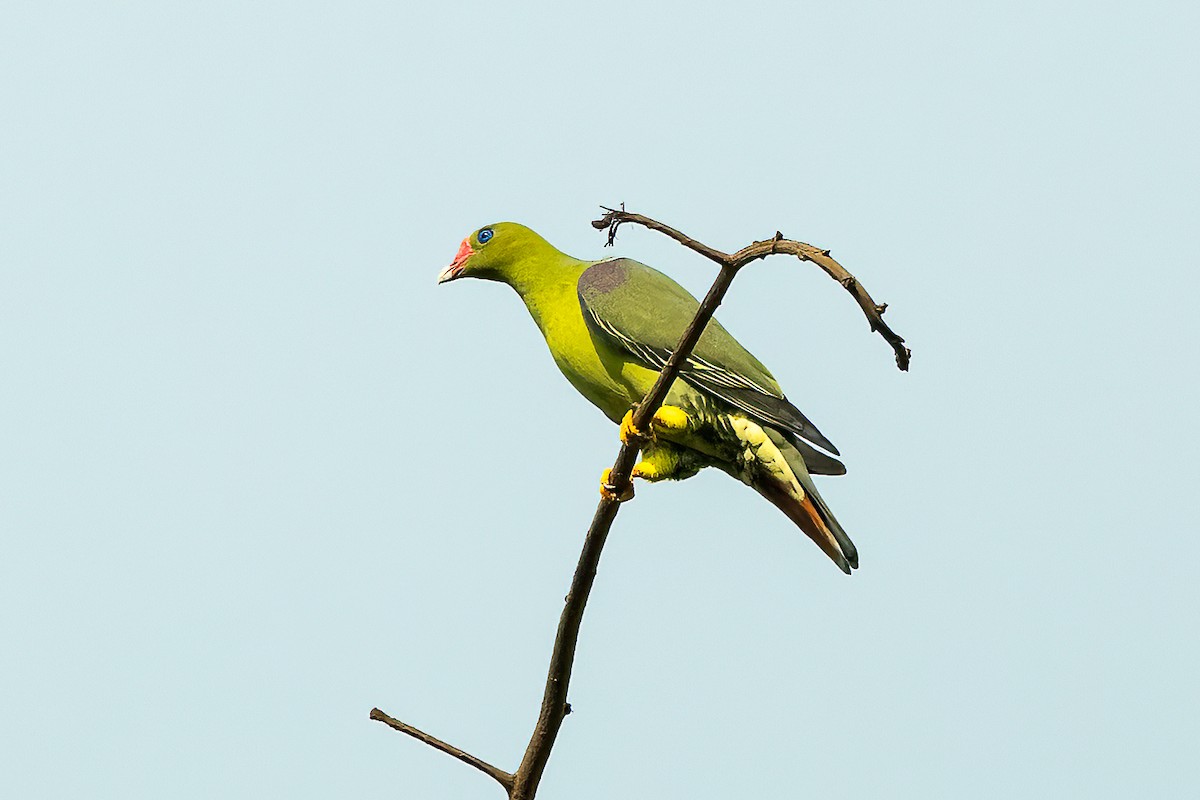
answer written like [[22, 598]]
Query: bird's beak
[[455, 270]]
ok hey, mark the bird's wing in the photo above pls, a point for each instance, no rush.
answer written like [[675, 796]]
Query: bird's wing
[[644, 312]]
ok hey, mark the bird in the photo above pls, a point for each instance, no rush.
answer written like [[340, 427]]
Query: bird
[[611, 325]]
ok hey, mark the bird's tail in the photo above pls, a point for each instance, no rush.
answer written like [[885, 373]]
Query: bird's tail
[[797, 497], [812, 516]]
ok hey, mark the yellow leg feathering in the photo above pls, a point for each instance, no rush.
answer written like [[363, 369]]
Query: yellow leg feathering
[[668, 419], [671, 419]]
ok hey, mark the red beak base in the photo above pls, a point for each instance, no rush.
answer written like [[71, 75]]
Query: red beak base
[[455, 270]]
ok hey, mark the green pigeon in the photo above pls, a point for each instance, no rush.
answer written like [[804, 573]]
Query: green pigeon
[[611, 325]]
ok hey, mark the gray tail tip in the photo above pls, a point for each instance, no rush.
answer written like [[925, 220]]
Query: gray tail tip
[[849, 561]]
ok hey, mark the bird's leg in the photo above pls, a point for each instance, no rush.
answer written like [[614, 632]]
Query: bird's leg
[[661, 460], [668, 419], [671, 419]]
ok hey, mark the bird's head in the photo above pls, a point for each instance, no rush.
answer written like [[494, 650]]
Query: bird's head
[[494, 252]]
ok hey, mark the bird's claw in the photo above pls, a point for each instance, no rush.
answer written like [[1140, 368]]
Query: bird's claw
[[631, 434], [609, 491]]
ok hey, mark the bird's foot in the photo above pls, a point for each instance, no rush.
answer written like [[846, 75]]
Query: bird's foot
[[631, 434], [609, 492], [670, 419], [647, 470]]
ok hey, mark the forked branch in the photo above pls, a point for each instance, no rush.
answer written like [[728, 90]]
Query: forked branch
[[523, 784]]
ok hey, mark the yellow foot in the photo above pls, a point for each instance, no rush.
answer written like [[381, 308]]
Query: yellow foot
[[609, 492], [671, 418], [632, 435]]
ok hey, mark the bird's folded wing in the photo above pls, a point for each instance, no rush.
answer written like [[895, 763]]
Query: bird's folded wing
[[644, 312]]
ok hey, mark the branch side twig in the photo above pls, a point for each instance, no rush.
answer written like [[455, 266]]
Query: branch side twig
[[873, 311], [503, 778]]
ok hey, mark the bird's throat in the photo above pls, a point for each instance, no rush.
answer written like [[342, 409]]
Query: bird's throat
[[549, 288]]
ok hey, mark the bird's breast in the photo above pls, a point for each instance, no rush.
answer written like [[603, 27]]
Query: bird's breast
[[591, 366]]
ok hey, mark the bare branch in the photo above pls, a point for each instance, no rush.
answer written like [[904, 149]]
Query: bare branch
[[554, 700], [873, 311], [504, 778], [523, 784], [614, 219]]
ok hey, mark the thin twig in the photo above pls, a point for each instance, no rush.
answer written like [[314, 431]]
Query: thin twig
[[873, 311], [503, 778], [614, 218]]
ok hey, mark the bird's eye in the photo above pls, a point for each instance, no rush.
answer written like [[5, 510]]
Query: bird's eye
[[484, 235]]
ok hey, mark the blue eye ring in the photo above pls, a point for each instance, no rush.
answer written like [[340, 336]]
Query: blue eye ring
[[484, 235]]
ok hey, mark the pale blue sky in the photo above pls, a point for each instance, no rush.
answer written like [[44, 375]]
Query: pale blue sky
[[259, 474]]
